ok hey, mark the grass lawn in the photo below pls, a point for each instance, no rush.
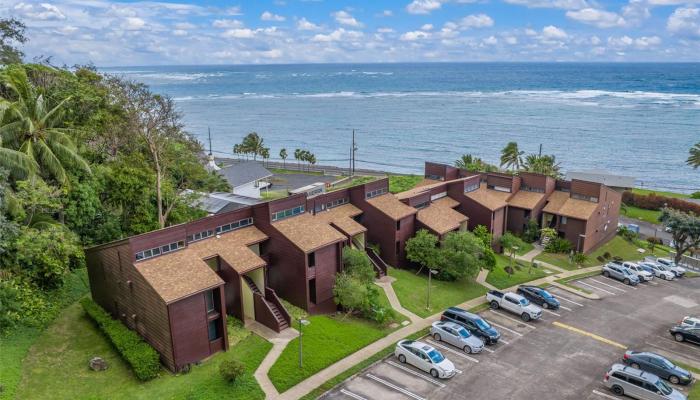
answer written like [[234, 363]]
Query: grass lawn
[[273, 194], [327, 339], [651, 216], [660, 193], [401, 183], [282, 171], [358, 180], [617, 246], [411, 290], [56, 367], [500, 278], [525, 248]]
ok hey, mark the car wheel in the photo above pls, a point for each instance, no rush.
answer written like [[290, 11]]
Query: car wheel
[[494, 305], [626, 281], [545, 305], [617, 390], [402, 359], [525, 317], [437, 337], [634, 365], [674, 379], [678, 337], [606, 274], [467, 349], [434, 373]]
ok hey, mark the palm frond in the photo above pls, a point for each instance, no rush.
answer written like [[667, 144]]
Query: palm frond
[[48, 160], [68, 156], [46, 119], [42, 221], [19, 164], [694, 157]]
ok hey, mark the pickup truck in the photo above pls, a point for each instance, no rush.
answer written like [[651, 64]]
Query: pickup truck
[[514, 303]]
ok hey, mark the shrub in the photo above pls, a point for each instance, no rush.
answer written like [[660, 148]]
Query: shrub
[[627, 234], [655, 240], [143, 358], [607, 255], [695, 195], [579, 258], [231, 370], [600, 259], [531, 232], [655, 202], [558, 245]]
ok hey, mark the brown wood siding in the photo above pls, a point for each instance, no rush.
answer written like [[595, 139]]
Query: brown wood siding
[[516, 219], [188, 318], [232, 289], [285, 203], [317, 202], [602, 225], [326, 267], [586, 188], [418, 199], [538, 181]]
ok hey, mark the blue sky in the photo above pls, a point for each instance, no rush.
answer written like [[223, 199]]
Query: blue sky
[[114, 33]]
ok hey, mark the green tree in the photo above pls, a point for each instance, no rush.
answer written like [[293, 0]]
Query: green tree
[[34, 126], [422, 249], [11, 34], [543, 164], [283, 156], [357, 264], [694, 156], [351, 293], [254, 144], [265, 154], [510, 244], [39, 202], [462, 256], [471, 163], [482, 232], [684, 228], [298, 156], [511, 156]]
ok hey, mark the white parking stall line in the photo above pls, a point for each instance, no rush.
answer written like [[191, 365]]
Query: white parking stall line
[[551, 312], [668, 350], [459, 371], [560, 297], [414, 373], [564, 308], [397, 388], [596, 288], [486, 349], [506, 329], [351, 394], [653, 283], [459, 353], [685, 345], [607, 396], [519, 322], [611, 286], [503, 341]]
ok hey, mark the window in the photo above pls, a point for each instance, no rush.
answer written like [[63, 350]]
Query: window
[[214, 331], [312, 290], [499, 188], [563, 220], [338, 202], [398, 225], [422, 205], [290, 212], [635, 381], [470, 187], [375, 193], [311, 259], [209, 297], [156, 251], [435, 177], [234, 225], [579, 196], [531, 189], [200, 235]]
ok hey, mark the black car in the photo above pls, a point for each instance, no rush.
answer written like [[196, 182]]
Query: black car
[[686, 333], [538, 296], [657, 365], [473, 323]]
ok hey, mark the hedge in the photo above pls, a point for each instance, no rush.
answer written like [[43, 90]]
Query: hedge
[[656, 202], [143, 358]]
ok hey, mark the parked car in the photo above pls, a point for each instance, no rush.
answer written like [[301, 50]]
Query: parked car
[[623, 380], [684, 333], [671, 266], [473, 323], [456, 335], [657, 365], [514, 303], [691, 322], [616, 271], [642, 274], [424, 357], [538, 296], [658, 270]]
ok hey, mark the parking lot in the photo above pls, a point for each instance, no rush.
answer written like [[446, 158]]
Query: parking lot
[[562, 356]]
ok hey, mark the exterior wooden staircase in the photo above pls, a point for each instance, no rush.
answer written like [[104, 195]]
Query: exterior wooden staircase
[[268, 309], [380, 267]]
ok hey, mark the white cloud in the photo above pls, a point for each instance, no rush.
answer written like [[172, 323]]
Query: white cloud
[[133, 23], [423, 6], [414, 35], [551, 32], [641, 43], [598, 18], [672, 2], [490, 41], [227, 23], [239, 33], [43, 11], [180, 32], [385, 30], [562, 4], [427, 27], [476, 21], [235, 10], [387, 13], [530, 32], [684, 21], [185, 26], [337, 35], [344, 18], [272, 53], [306, 25], [268, 16], [511, 40], [595, 40]]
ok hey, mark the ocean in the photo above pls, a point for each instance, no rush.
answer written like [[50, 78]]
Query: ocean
[[630, 119]]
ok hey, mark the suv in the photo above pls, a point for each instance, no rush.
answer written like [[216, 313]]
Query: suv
[[538, 296], [686, 333], [617, 271], [473, 323], [637, 384], [424, 357], [671, 266], [691, 322], [658, 365], [658, 270], [642, 274]]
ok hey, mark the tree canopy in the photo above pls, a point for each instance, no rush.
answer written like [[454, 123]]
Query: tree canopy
[[684, 228]]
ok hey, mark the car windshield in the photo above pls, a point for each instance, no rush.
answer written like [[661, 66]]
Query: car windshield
[[665, 389], [524, 302], [436, 356], [482, 324], [463, 333], [546, 294], [661, 268], [666, 363]]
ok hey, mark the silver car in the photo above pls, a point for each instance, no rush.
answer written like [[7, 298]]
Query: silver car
[[424, 357], [658, 270], [617, 271], [456, 335], [631, 382]]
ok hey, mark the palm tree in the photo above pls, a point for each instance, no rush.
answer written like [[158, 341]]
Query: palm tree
[[283, 156], [542, 164], [694, 157], [265, 154], [29, 126], [253, 143], [471, 163], [297, 156], [511, 157]]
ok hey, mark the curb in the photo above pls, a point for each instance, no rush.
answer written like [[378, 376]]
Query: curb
[[574, 291]]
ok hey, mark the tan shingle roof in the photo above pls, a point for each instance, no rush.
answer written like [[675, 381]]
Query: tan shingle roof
[[447, 201], [307, 232], [440, 218], [525, 199], [561, 203], [182, 273], [491, 199], [342, 218], [391, 206]]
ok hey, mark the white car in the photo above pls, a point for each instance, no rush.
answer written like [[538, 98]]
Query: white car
[[514, 303], [670, 265], [642, 274], [424, 357], [456, 335], [658, 270]]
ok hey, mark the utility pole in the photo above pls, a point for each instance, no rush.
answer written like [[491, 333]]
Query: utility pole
[[540, 150], [209, 129], [354, 149]]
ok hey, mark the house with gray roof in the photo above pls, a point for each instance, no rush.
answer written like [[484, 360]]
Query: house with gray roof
[[246, 178]]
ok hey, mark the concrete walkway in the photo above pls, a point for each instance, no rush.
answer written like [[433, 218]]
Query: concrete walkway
[[530, 255], [481, 279], [385, 283], [279, 342], [309, 384]]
